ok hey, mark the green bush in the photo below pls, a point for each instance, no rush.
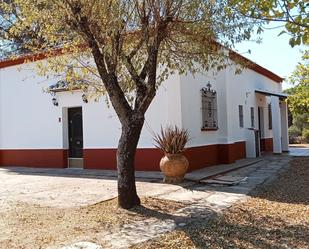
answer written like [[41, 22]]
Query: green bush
[[305, 135], [294, 134]]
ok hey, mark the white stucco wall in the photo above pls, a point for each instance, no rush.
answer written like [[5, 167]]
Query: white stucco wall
[[241, 91], [232, 90], [191, 104], [29, 120]]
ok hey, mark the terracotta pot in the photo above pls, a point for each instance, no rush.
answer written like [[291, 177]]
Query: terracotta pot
[[174, 167]]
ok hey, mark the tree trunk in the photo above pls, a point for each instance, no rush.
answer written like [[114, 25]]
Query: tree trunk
[[131, 130]]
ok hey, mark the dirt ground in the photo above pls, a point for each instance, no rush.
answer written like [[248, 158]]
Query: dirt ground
[[59, 190], [277, 216], [49, 212], [31, 226]]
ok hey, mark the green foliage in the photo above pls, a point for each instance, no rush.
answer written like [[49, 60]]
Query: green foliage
[[172, 140], [294, 134], [298, 99], [125, 31], [298, 132], [305, 135], [301, 121], [294, 131], [293, 13]]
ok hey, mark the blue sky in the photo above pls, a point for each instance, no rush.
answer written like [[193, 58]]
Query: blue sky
[[274, 53]]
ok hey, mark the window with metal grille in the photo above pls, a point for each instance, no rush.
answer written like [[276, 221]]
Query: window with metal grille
[[241, 116], [270, 124], [209, 108], [252, 116]]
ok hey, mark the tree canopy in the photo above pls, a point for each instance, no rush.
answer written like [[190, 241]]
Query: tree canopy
[[293, 13], [126, 48], [299, 94]]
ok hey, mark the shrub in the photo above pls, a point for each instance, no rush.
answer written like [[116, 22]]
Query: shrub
[[171, 140], [294, 134], [305, 135]]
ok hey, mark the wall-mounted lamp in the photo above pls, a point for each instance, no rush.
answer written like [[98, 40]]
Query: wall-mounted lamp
[[84, 98], [55, 101]]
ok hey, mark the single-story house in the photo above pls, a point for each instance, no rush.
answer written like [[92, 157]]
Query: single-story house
[[229, 117]]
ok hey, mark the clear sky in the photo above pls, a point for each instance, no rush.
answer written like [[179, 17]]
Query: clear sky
[[274, 53]]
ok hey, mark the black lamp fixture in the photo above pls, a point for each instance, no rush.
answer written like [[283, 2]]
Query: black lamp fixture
[[84, 98], [55, 101]]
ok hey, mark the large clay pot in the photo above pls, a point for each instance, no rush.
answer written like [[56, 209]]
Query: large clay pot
[[174, 167]]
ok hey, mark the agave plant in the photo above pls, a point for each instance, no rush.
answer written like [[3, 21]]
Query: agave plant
[[171, 140]]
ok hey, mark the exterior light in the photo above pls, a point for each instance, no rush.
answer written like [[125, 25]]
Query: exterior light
[[55, 101], [84, 98]]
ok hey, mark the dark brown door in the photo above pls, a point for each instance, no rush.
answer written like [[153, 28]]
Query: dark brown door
[[75, 132]]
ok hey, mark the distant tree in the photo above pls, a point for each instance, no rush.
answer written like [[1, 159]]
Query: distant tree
[[135, 45], [299, 94], [293, 13]]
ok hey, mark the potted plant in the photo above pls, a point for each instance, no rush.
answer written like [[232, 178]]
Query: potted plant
[[174, 164]]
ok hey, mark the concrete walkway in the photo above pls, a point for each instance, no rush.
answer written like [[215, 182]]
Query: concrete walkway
[[202, 202], [53, 187], [151, 176], [73, 188], [299, 150]]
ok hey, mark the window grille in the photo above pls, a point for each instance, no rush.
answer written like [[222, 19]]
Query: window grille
[[252, 116], [241, 116], [209, 108], [270, 124]]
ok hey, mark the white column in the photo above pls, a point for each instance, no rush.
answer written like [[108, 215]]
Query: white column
[[276, 124], [284, 126]]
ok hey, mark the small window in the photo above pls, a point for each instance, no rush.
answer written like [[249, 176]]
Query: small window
[[270, 122], [209, 108], [252, 116], [241, 116]]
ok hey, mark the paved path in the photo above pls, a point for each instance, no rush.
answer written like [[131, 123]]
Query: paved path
[[140, 175], [203, 202], [299, 150], [53, 187], [55, 191]]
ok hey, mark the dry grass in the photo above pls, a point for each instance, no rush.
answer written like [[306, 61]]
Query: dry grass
[[32, 226], [277, 217]]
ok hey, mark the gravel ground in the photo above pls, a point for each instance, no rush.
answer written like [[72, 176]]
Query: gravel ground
[[31, 226], [277, 216]]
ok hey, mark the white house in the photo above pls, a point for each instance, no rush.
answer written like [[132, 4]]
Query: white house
[[228, 117]]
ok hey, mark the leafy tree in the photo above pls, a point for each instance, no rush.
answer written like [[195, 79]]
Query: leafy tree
[[299, 94], [125, 49], [293, 13], [13, 44]]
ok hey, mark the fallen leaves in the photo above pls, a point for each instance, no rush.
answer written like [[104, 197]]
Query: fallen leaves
[[276, 217]]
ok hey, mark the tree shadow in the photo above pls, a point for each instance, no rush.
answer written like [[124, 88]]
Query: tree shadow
[[78, 173], [225, 234], [187, 215], [290, 186], [217, 231]]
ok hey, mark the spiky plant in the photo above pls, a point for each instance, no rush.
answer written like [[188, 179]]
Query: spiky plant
[[171, 140]]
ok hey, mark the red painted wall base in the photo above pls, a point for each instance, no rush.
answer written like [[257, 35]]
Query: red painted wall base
[[267, 144], [149, 159], [45, 158], [146, 159]]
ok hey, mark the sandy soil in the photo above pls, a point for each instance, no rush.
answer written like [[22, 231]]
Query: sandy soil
[[276, 217], [31, 226]]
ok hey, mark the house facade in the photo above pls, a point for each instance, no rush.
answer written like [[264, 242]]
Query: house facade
[[229, 117]]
